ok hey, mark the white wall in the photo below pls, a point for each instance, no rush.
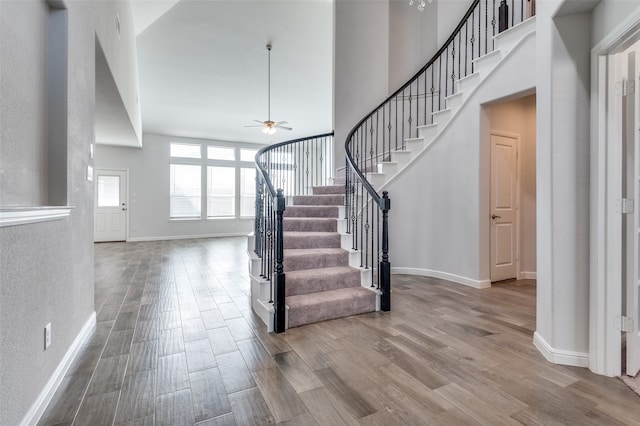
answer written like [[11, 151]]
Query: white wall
[[562, 184], [121, 54], [46, 269], [149, 191], [608, 14], [23, 141], [361, 64], [449, 13], [440, 205], [412, 40], [518, 117], [378, 47]]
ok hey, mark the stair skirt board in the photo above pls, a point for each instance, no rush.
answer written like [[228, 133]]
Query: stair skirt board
[[467, 98], [469, 282]]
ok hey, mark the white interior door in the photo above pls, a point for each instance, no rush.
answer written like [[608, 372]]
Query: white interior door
[[631, 223], [110, 205], [504, 192]]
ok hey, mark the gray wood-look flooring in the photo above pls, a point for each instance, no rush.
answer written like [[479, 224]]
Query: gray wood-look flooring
[[176, 343]]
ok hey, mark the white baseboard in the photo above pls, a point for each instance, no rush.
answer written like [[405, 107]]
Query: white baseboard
[[528, 275], [560, 356], [442, 275], [185, 237], [38, 407]]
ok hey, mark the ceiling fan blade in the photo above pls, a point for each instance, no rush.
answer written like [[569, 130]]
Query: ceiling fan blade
[[261, 122], [255, 125], [280, 122], [285, 128]]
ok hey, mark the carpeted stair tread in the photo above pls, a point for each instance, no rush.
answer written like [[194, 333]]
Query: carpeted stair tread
[[318, 200], [310, 240], [310, 224], [298, 259], [326, 279], [329, 189], [316, 307], [311, 211], [340, 181]]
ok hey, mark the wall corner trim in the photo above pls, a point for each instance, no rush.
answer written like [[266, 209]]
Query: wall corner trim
[[37, 408], [12, 216], [470, 282], [560, 356]]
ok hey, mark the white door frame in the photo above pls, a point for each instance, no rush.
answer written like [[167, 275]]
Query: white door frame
[[605, 295], [126, 185], [518, 182]]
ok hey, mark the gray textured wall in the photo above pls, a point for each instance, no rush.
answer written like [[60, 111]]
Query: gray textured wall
[[46, 270], [23, 119]]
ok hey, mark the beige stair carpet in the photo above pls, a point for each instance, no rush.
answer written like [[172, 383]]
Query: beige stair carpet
[[320, 284]]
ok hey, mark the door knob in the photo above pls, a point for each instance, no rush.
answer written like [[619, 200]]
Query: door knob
[[494, 217]]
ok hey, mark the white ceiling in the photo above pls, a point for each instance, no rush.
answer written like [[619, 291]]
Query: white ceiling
[[203, 67]]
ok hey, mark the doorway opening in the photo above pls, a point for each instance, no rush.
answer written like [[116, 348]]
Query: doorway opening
[[512, 189], [615, 217]]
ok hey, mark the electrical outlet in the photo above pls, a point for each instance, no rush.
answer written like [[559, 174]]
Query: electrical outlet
[[47, 336]]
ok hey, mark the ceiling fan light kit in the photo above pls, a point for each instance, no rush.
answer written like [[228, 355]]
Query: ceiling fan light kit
[[269, 127]]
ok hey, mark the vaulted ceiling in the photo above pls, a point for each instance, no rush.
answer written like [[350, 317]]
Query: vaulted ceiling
[[203, 67]]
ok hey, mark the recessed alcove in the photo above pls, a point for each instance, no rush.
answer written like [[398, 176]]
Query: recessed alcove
[[33, 135]]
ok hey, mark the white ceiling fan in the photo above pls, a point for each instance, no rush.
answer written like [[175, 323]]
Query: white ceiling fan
[[269, 126]]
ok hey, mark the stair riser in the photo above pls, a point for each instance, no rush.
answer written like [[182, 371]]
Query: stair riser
[[441, 118], [324, 283], [325, 241], [325, 190], [415, 145], [302, 225], [335, 309], [338, 180], [255, 266], [315, 211], [260, 288], [401, 157], [454, 102], [428, 132], [467, 83], [318, 200], [297, 263], [376, 179], [388, 168]]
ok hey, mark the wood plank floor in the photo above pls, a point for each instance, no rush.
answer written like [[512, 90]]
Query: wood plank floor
[[177, 344]]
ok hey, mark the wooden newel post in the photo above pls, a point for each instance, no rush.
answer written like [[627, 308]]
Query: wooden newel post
[[279, 272], [385, 266]]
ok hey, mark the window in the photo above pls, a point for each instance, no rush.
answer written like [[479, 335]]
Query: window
[[221, 191], [220, 153], [108, 191], [226, 191], [185, 150], [184, 191], [248, 154], [247, 192]]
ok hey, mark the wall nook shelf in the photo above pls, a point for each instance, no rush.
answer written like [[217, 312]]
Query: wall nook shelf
[[12, 216]]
